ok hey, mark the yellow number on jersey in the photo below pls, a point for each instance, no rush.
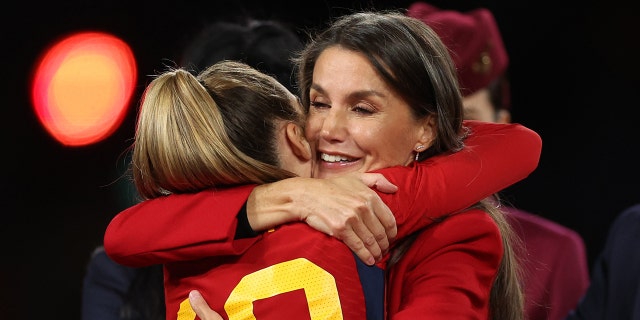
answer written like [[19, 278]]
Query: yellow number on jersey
[[319, 287]]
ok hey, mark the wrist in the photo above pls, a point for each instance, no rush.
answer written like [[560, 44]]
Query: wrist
[[273, 204]]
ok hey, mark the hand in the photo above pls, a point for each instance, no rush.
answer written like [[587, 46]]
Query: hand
[[347, 208], [201, 308], [344, 207]]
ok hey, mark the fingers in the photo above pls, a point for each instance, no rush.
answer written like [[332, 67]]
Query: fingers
[[359, 249], [366, 242], [201, 308], [352, 212], [371, 230], [355, 235], [384, 225], [386, 219]]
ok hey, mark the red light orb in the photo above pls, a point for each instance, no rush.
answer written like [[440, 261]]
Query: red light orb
[[82, 87]]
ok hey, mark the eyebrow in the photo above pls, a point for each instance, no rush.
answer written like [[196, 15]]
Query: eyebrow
[[360, 94]]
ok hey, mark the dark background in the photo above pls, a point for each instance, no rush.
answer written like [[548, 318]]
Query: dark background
[[574, 70]]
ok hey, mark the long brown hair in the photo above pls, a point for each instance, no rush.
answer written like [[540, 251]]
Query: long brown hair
[[412, 60]]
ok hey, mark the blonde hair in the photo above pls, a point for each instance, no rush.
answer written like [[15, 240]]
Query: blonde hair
[[211, 131]]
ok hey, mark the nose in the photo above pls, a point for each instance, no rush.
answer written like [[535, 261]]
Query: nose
[[334, 126]]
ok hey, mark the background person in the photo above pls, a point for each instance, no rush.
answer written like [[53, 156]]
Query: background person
[[614, 291], [555, 263], [266, 45], [111, 291]]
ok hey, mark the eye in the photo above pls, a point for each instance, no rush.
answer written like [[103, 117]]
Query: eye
[[319, 105], [363, 109]]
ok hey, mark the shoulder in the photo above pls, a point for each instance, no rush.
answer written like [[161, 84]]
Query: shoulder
[[473, 228], [530, 225], [469, 240], [476, 218], [629, 219], [624, 232]]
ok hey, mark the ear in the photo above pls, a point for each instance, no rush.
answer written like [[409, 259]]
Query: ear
[[503, 116], [427, 134], [299, 144]]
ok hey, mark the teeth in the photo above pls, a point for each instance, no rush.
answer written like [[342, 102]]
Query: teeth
[[331, 158]]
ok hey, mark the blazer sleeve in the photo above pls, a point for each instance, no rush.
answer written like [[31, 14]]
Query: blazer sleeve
[[495, 157], [190, 226], [178, 227]]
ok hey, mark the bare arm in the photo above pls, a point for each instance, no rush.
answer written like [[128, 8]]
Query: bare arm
[[355, 214]]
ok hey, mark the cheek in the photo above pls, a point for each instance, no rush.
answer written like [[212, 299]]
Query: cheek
[[375, 140], [371, 138], [393, 145], [397, 133]]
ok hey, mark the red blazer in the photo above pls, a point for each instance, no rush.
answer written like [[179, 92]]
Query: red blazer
[[448, 271], [185, 227]]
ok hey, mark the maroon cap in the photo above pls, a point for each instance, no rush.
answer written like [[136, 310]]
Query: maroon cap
[[473, 39]]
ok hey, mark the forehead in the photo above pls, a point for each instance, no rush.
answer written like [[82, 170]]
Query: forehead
[[339, 69]]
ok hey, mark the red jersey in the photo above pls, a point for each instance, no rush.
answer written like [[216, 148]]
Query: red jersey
[[187, 227], [293, 272]]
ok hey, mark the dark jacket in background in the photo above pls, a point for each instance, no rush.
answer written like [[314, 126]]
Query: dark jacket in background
[[615, 281]]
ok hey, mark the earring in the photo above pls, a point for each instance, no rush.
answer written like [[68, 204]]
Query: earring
[[418, 148]]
